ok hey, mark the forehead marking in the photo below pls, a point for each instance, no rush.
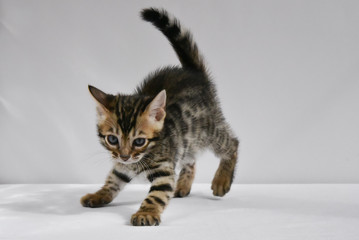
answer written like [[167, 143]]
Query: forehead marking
[[127, 112]]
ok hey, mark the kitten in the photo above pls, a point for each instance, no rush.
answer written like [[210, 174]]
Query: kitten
[[172, 115]]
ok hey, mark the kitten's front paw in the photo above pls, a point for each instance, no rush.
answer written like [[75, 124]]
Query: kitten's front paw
[[95, 200], [182, 191], [145, 219], [221, 185]]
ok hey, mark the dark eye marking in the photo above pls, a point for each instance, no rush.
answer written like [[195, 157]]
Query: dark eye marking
[[154, 139]]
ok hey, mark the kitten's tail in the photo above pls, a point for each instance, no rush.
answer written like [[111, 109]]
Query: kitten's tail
[[181, 39]]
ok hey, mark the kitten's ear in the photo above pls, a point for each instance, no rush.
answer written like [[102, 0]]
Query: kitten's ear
[[105, 101], [156, 109]]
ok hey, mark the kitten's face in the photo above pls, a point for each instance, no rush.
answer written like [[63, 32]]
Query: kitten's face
[[128, 125], [127, 147]]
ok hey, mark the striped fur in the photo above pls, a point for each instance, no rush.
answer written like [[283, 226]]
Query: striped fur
[[180, 39], [171, 127]]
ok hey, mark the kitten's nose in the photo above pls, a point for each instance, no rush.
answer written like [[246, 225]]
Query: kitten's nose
[[124, 157]]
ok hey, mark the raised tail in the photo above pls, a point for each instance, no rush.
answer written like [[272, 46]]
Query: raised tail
[[180, 39]]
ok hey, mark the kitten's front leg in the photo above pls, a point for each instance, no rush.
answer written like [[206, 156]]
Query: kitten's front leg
[[115, 182], [160, 193]]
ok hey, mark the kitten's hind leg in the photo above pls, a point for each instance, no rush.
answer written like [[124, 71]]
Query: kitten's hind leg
[[225, 146], [185, 180], [114, 183]]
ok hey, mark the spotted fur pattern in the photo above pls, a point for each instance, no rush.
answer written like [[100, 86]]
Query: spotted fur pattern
[[175, 123]]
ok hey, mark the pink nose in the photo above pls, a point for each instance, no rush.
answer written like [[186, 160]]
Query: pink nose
[[124, 157]]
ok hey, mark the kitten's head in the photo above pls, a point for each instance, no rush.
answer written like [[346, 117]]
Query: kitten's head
[[129, 125]]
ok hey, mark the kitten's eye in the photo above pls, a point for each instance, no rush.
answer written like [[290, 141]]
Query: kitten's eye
[[111, 139], [139, 142]]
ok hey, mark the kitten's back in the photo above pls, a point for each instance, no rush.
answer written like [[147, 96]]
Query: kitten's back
[[177, 82]]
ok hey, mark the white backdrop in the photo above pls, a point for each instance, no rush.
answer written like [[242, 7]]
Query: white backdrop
[[287, 74]]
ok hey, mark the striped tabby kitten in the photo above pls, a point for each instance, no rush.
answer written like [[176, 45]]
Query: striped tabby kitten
[[172, 115]]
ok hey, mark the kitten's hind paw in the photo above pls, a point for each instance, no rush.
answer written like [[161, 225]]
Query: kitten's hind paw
[[221, 185], [145, 219], [95, 200]]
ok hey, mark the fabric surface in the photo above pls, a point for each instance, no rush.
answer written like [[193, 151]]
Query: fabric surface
[[50, 211]]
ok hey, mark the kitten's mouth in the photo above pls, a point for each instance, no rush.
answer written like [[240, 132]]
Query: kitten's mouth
[[127, 161], [130, 161]]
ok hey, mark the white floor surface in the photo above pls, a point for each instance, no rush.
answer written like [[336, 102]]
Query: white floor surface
[[312, 211]]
